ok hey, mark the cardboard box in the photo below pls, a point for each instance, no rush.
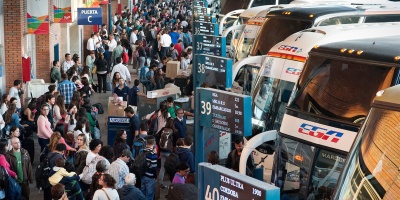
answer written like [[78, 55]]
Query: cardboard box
[[151, 94], [172, 69], [185, 73], [114, 109], [163, 92]]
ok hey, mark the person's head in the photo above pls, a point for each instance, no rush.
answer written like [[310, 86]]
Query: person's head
[[81, 124], [14, 132], [172, 80], [107, 180], [60, 162], [15, 143], [3, 146], [44, 109], [150, 141], [56, 63], [64, 76], [60, 102], [92, 54], [121, 136], [18, 83], [107, 152], [5, 99], [58, 192], [54, 140], [170, 102], [170, 123], [125, 155], [183, 169], [85, 81], [103, 26], [239, 143], [61, 148], [159, 72], [213, 158], [67, 56], [95, 145], [101, 55], [144, 127], [13, 101], [179, 142], [72, 109], [188, 140], [118, 60], [102, 166], [121, 81], [50, 99], [136, 82], [129, 112], [81, 140], [52, 88], [130, 179], [116, 76], [163, 105]]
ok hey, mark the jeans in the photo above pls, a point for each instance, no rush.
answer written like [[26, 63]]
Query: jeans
[[148, 187], [163, 52], [164, 156], [141, 61], [43, 143], [102, 81]]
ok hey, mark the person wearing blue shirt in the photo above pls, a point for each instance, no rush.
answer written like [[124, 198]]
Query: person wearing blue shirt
[[174, 36], [122, 90], [134, 124], [134, 93]]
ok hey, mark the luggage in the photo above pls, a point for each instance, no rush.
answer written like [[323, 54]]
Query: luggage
[[182, 192], [28, 144]]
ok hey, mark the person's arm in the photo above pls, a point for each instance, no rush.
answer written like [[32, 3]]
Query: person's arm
[[149, 115], [128, 75], [6, 165], [57, 112], [15, 120], [69, 148], [188, 113]]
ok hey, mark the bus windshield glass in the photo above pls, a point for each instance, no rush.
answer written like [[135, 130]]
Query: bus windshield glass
[[372, 167], [246, 41], [275, 30], [328, 87], [268, 2], [299, 162]]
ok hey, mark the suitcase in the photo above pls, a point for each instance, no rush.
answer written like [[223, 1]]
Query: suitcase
[[28, 144], [182, 192]]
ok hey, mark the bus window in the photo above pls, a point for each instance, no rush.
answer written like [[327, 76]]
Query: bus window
[[340, 20], [244, 48], [382, 18], [325, 174], [275, 30], [268, 2], [330, 90], [294, 168]]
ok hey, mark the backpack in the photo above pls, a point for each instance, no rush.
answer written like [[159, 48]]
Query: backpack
[[148, 75], [142, 77], [166, 139], [13, 191], [99, 107], [153, 123], [42, 173], [90, 169], [3, 179], [125, 57], [140, 164], [138, 145]]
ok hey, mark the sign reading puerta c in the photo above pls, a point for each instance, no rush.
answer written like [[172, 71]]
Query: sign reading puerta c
[[90, 16]]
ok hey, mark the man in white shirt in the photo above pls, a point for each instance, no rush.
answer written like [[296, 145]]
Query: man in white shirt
[[90, 43], [104, 28], [165, 43], [111, 46], [68, 63], [94, 146], [122, 69], [14, 93], [171, 84], [97, 39], [119, 169], [132, 41]]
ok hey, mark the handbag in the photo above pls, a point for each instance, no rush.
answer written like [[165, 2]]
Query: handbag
[[94, 70]]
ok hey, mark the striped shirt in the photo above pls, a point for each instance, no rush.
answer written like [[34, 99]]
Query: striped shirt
[[118, 170], [151, 161]]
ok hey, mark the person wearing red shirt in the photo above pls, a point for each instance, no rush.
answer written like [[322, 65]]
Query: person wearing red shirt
[[178, 47]]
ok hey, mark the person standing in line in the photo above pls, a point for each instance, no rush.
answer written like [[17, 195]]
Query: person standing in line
[[90, 59], [122, 69], [181, 174], [129, 191], [58, 192], [66, 88], [132, 40], [120, 143], [133, 94], [44, 131], [91, 46], [50, 100], [102, 72], [117, 52], [119, 169], [111, 46], [107, 192], [94, 146], [68, 63], [148, 181], [15, 91], [134, 123], [165, 43], [55, 74], [184, 153], [233, 159], [122, 89], [20, 162]]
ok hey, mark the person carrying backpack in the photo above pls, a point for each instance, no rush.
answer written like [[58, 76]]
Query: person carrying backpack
[[165, 144], [146, 163], [158, 119], [151, 83]]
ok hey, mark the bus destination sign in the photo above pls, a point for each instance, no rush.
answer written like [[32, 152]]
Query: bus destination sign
[[214, 70], [210, 45], [225, 111]]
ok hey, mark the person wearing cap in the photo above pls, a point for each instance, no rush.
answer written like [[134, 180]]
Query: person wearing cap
[[129, 191], [119, 169]]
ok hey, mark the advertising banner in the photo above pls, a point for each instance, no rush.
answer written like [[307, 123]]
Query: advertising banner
[[62, 11], [95, 3], [38, 17]]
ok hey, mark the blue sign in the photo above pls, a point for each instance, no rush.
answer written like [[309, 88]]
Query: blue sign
[[210, 45], [205, 28], [217, 182], [214, 70], [205, 18], [117, 123], [225, 111], [90, 16]]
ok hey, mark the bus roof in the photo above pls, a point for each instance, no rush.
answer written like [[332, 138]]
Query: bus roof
[[379, 49], [310, 12], [252, 12], [389, 97], [302, 42]]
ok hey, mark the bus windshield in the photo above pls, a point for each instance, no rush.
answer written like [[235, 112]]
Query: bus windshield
[[372, 168], [246, 41], [245, 78], [328, 87], [275, 30], [299, 162]]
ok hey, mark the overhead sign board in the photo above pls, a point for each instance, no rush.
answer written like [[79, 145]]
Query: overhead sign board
[[205, 18], [214, 70], [114, 124], [225, 111], [90, 16], [217, 182], [205, 28], [210, 45], [200, 4]]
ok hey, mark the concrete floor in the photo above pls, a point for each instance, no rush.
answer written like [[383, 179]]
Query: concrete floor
[[96, 98]]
